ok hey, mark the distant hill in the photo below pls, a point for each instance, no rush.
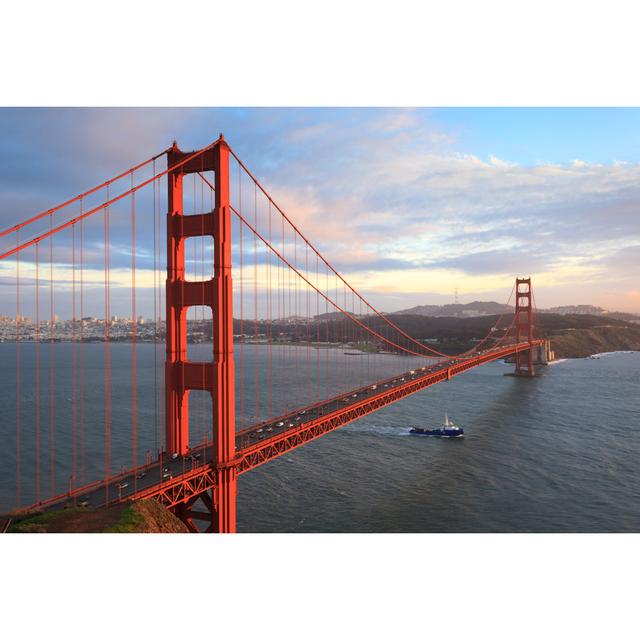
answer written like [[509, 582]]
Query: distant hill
[[590, 310], [333, 315], [478, 309], [469, 310], [577, 309], [572, 335]]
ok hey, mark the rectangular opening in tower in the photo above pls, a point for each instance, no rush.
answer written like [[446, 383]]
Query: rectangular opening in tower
[[198, 258], [199, 334], [198, 195]]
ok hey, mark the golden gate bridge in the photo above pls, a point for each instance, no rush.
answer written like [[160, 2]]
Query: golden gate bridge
[[197, 237]]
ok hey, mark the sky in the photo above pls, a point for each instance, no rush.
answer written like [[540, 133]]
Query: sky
[[408, 204]]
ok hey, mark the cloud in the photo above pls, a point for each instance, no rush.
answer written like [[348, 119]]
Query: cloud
[[500, 262], [625, 262], [497, 162], [389, 196]]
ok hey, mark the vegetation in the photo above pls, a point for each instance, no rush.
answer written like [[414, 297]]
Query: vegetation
[[40, 522], [146, 516], [580, 343], [130, 521], [573, 335]]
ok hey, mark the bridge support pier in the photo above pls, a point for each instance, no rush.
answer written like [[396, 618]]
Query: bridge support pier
[[220, 502], [524, 327], [216, 376], [223, 515]]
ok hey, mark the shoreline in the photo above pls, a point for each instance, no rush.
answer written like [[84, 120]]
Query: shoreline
[[355, 350]]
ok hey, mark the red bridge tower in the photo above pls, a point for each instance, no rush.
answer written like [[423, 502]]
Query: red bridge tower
[[524, 326], [216, 376]]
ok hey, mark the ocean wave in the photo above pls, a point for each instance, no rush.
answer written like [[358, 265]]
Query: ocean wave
[[614, 353]]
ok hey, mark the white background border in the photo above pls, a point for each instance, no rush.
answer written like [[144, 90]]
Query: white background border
[[319, 53]]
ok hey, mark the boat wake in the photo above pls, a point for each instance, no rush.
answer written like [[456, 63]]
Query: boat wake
[[380, 430]]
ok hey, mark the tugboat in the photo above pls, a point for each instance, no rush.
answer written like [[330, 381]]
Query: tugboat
[[448, 430]]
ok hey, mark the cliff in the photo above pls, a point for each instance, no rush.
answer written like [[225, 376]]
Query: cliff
[[146, 516], [580, 343]]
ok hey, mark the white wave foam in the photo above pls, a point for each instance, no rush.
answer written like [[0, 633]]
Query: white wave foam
[[614, 353]]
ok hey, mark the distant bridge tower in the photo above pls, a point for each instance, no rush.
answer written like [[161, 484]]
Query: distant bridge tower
[[217, 375], [524, 326]]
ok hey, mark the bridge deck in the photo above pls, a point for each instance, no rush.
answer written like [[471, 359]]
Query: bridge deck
[[175, 481]]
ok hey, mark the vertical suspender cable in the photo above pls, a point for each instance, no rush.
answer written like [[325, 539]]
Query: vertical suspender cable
[[37, 372], [82, 354], [161, 391], [134, 355], [211, 208], [290, 313], [326, 326], [317, 333], [202, 297], [270, 320], [308, 288], [336, 369], [183, 339], [107, 337], [296, 321], [256, 382], [155, 315], [281, 316], [18, 376], [74, 355], [51, 369], [242, 342]]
